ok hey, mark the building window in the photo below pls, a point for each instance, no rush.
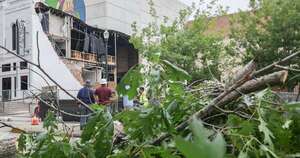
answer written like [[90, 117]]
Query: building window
[[19, 37], [5, 67], [14, 66], [14, 36], [24, 82], [23, 65]]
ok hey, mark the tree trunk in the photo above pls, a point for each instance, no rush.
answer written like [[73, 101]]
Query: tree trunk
[[245, 72], [276, 78], [8, 147]]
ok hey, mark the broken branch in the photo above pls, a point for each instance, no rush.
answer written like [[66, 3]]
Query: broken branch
[[280, 62], [12, 127], [244, 72], [248, 87]]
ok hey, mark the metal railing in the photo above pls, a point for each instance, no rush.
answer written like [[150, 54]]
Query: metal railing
[[13, 101], [23, 99], [6, 95], [15, 95]]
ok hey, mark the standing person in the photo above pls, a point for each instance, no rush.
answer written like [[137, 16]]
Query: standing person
[[142, 97], [104, 93], [127, 103], [85, 94]]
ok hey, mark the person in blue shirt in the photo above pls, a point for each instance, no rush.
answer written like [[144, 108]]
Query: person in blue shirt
[[86, 95]]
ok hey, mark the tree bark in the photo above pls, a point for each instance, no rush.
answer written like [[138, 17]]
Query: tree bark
[[8, 147], [245, 72], [276, 78]]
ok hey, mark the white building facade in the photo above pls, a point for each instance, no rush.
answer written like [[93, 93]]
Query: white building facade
[[14, 74], [121, 14]]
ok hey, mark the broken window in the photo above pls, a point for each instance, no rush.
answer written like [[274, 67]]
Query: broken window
[[77, 40]]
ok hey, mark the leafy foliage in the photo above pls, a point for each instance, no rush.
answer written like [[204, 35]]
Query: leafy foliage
[[99, 131], [269, 32], [187, 46], [202, 146], [134, 80], [96, 140], [51, 143], [152, 122]]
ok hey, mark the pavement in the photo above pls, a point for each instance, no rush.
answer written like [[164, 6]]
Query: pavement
[[22, 120]]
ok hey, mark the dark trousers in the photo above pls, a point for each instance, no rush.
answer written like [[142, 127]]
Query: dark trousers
[[83, 119]]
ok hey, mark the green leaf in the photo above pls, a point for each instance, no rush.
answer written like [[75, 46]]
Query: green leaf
[[50, 122], [268, 135], [265, 148], [292, 106], [175, 73], [201, 146], [22, 142], [86, 149], [151, 152], [99, 130], [247, 127], [134, 79], [243, 155], [97, 107], [66, 148], [100, 119], [145, 123]]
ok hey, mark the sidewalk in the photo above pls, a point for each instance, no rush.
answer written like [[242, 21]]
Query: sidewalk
[[23, 121]]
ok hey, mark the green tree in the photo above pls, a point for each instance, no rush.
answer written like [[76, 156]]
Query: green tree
[[183, 42], [269, 32]]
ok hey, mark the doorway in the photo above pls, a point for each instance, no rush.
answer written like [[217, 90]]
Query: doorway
[[6, 89]]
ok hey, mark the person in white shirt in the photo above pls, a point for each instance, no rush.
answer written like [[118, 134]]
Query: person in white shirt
[[128, 104]]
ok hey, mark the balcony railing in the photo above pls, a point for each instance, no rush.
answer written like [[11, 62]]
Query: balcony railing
[[111, 60], [81, 56]]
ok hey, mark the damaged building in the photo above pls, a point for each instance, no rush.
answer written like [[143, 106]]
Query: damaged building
[[84, 49], [78, 40]]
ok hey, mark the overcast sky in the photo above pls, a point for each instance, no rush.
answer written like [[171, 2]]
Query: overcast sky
[[234, 5]]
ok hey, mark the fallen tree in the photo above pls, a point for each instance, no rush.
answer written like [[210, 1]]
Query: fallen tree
[[254, 85]]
